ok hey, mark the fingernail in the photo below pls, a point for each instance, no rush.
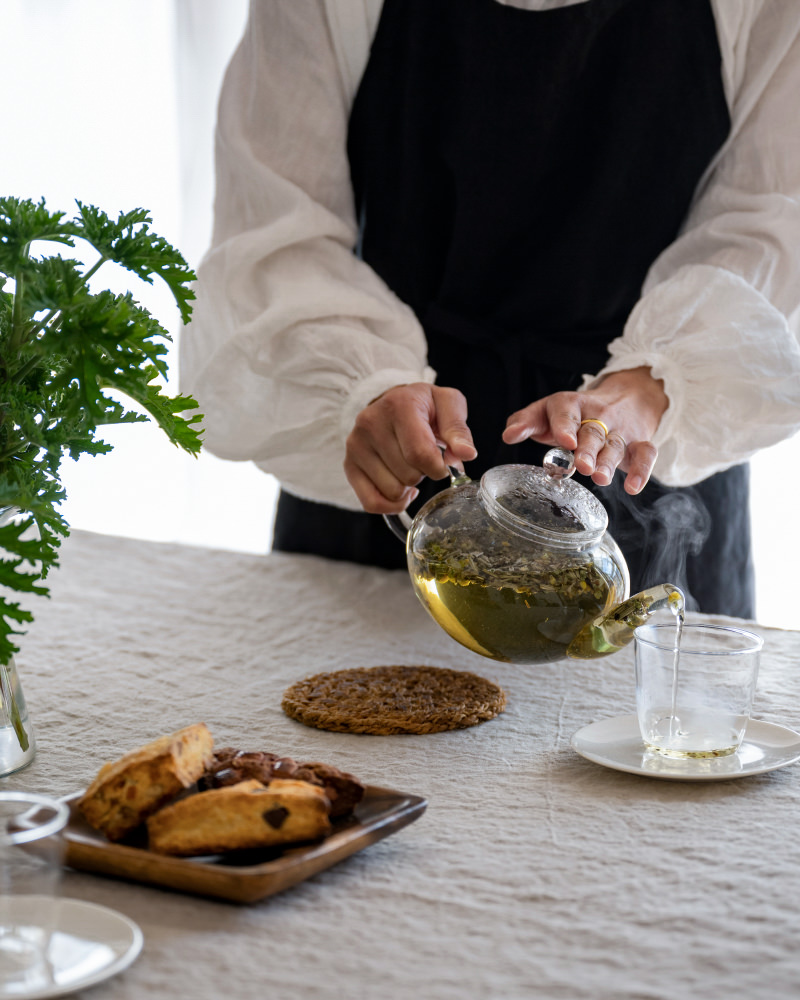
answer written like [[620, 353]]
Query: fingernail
[[634, 484], [467, 446], [517, 432], [605, 472]]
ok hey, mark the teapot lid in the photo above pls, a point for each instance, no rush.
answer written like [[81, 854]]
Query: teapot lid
[[543, 503]]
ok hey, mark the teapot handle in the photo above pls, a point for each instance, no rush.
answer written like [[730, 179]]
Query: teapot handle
[[401, 523]]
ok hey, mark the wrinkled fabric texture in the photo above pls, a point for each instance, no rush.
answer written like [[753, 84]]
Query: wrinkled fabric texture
[[512, 190], [533, 873], [292, 334]]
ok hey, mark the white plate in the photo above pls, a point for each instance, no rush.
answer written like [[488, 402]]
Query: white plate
[[89, 943], [617, 743]]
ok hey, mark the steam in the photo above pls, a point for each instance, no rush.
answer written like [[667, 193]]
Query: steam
[[657, 538]]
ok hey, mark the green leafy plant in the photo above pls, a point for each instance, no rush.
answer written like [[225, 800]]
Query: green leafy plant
[[63, 346]]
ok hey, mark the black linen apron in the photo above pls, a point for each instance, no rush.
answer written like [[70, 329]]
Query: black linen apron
[[517, 172]]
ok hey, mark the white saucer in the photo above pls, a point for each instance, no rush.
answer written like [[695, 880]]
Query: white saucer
[[89, 943], [617, 743]]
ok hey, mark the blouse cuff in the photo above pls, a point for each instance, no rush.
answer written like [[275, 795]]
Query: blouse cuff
[[730, 365]]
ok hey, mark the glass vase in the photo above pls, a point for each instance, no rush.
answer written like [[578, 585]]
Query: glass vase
[[17, 740]]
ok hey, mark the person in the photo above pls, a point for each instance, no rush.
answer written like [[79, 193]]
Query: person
[[498, 225]]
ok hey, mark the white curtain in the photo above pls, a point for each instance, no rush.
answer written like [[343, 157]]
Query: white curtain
[[113, 102]]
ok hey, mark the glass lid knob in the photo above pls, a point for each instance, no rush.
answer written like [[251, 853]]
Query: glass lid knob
[[559, 464]]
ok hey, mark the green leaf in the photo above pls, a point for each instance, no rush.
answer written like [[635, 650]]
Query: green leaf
[[21, 223], [28, 550], [129, 242], [53, 283], [165, 409], [63, 347]]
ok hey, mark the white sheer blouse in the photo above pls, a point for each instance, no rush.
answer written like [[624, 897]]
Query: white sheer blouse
[[292, 334]]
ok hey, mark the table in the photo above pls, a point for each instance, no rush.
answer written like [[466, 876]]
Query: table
[[533, 872]]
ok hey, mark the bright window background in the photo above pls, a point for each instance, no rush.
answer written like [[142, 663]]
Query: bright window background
[[113, 102]]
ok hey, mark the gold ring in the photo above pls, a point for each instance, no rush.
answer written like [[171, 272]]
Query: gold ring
[[599, 423]]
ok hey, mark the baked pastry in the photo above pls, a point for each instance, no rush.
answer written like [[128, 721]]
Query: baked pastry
[[246, 815], [344, 791], [228, 767], [393, 699], [127, 791]]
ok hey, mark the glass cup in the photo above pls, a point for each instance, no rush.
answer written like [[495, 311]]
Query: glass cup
[[694, 695], [31, 850]]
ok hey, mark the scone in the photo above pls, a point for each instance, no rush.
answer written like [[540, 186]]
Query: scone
[[236, 817], [127, 791], [230, 766]]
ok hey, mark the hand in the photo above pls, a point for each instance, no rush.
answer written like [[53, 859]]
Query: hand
[[630, 404], [395, 444]]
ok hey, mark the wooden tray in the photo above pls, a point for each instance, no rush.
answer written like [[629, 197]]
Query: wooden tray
[[244, 876]]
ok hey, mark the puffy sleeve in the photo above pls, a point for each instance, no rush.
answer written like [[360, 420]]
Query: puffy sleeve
[[718, 315], [291, 333]]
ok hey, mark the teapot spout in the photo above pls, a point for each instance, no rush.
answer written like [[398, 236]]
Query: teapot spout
[[612, 630]]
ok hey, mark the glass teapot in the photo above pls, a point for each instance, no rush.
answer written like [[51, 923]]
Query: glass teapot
[[520, 566]]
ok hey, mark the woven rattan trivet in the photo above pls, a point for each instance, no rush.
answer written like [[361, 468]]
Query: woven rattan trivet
[[383, 701]]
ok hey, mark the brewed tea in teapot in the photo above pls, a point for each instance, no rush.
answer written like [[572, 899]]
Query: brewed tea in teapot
[[520, 566]]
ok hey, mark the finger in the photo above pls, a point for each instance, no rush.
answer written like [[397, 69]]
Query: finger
[[450, 424], [564, 412], [373, 478], [375, 467], [641, 457], [394, 438], [381, 459], [591, 441], [609, 458], [552, 420], [371, 498], [401, 428], [529, 422]]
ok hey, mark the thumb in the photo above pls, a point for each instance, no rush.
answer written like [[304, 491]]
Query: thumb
[[451, 424]]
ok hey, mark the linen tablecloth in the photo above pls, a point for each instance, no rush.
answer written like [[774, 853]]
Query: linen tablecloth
[[533, 872]]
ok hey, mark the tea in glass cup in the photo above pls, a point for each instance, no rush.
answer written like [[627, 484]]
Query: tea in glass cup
[[695, 686]]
